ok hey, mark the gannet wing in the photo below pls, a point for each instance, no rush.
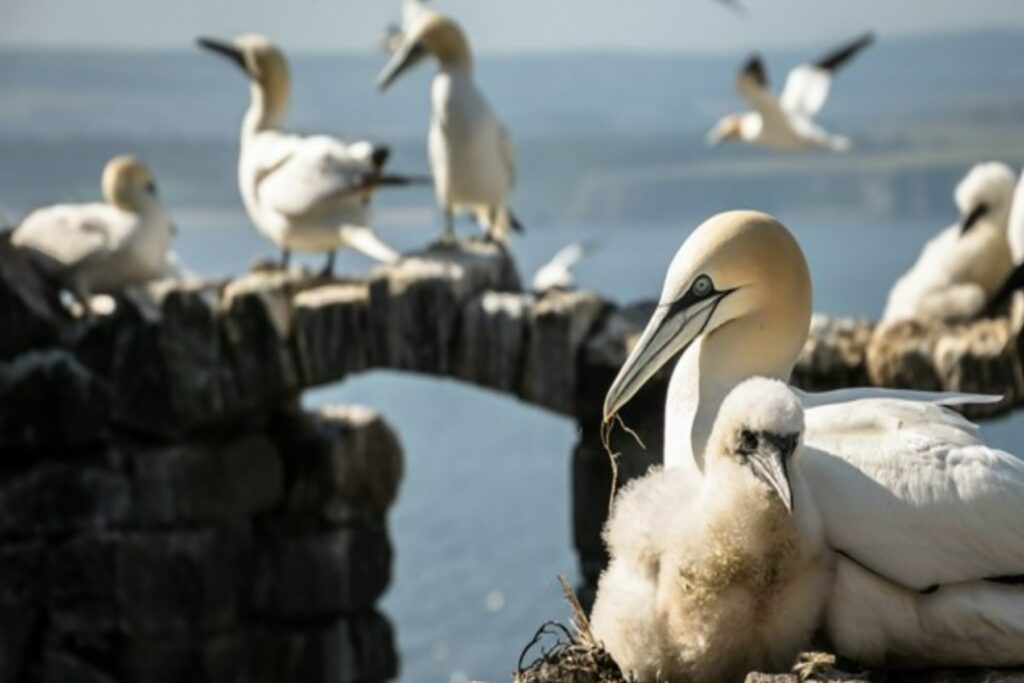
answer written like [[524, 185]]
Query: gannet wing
[[752, 85], [307, 176], [807, 86], [907, 490], [69, 234], [507, 151]]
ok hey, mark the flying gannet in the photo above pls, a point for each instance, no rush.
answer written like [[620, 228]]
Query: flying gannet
[[102, 248], [908, 493], [716, 576], [557, 273], [962, 268], [302, 193], [787, 122], [471, 152]]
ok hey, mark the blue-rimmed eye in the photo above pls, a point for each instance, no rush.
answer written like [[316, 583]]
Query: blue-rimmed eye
[[702, 286]]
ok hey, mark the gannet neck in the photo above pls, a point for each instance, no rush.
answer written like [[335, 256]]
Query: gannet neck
[[452, 50], [267, 107]]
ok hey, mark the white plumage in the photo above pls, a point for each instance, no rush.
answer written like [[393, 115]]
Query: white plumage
[[102, 248], [557, 273], [302, 193], [962, 268], [713, 577], [787, 122], [905, 488], [471, 153]]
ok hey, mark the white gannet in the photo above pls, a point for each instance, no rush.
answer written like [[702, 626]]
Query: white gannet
[[787, 122], [716, 576], [102, 248], [963, 267], [471, 152], [302, 193], [905, 488], [557, 273]]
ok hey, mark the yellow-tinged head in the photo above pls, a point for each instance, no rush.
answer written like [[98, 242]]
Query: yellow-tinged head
[[265, 65], [740, 277], [431, 34], [128, 184]]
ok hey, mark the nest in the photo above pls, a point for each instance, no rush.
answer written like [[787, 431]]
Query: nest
[[567, 655]]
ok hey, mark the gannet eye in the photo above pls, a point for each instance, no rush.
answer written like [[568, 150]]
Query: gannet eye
[[151, 188], [702, 286], [748, 441]]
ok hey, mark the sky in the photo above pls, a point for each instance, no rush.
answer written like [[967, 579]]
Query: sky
[[495, 26]]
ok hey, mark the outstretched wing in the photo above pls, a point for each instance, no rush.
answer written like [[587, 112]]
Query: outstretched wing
[[807, 86], [752, 85], [907, 490]]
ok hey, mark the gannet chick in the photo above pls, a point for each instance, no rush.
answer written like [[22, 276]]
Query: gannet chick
[[557, 273], [471, 153], [302, 193], [963, 268], [102, 248], [716, 576], [787, 122]]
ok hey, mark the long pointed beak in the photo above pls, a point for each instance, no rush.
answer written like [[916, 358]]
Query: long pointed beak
[[670, 331], [224, 49], [714, 137], [401, 61], [769, 465], [972, 218]]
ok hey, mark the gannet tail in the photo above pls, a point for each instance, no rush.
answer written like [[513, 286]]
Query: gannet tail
[[363, 240]]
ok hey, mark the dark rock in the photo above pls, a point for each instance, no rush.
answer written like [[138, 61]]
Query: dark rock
[[64, 667], [29, 306], [18, 619], [345, 462], [332, 331], [192, 659], [60, 498], [322, 574], [900, 355], [415, 304], [207, 483], [560, 323], [48, 400], [491, 347], [834, 355]]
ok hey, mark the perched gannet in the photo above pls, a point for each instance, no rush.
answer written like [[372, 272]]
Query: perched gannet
[[787, 122], [716, 576], [906, 490], [557, 273], [302, 193], [102, 248], [471, 153], [962, 268]]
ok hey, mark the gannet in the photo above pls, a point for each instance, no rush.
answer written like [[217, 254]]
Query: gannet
[[713, 577], [557, 273], [962, 268], [906, 489], [787, 122], [102, 248], [1014, 282], [471, 152], [302, 193]]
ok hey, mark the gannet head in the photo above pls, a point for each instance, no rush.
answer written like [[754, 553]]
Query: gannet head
[[985, 192], [738, 267], [264, 64], [430, 33], [759, 427], [728, 128], [128, 184]]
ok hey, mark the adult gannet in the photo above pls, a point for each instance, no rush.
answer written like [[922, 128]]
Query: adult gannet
[[962, 268], [907, 491], [716, 576], [557, 273], [471, 153], [102, 248], [787, 122], [302, 193]]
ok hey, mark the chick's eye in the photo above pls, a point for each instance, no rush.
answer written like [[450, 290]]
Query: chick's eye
[[702, 286], [748, 441]]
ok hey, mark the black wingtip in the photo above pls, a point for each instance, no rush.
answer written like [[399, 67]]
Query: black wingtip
[[517, 225], [843, 54], [754, 67], [1014, 283]]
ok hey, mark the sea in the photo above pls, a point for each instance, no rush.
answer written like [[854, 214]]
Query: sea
[[481, 529]]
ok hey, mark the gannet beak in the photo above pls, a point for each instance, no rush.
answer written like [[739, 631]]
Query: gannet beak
[[672, 328], [769, 465], [225, 49], [715, 136], [973, 217], [403, 60]]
